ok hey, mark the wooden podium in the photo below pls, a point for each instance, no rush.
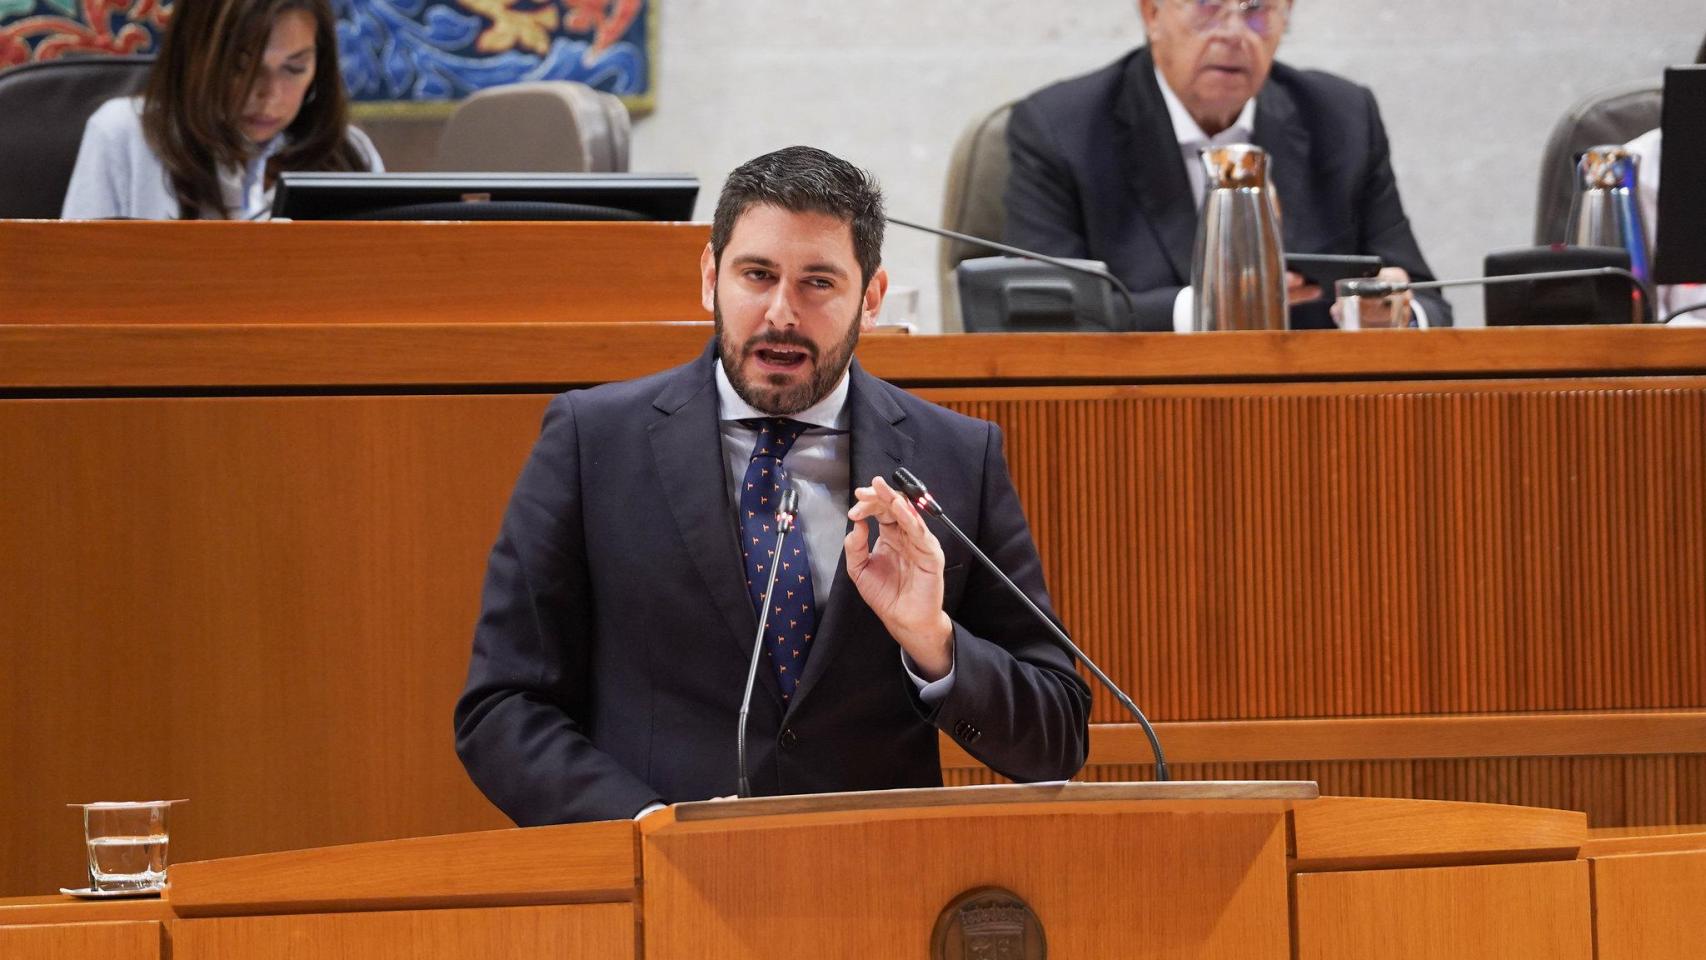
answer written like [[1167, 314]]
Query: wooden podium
[[1252, 870]]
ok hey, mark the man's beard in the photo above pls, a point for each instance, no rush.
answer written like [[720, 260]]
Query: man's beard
[[784, 398]]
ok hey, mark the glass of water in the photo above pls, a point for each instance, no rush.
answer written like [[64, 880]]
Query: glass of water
[[127, 844], [1370, 313]]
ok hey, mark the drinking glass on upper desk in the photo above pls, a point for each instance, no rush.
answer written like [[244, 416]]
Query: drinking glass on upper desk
[[127, 845], [1370, 313]]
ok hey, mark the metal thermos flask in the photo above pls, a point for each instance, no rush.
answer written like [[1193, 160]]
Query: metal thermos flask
[[1606, 211], [1238, 268]]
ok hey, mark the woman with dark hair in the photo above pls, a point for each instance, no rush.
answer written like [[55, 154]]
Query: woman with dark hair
[[242, 89]]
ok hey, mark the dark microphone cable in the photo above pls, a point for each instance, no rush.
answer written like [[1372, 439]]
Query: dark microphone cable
[[914, 490], [785, 510], [1688, 309]]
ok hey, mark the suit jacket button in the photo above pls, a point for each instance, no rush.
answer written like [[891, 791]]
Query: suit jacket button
[[788, 738]]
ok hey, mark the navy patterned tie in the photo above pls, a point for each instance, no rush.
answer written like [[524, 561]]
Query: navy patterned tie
[[793, 609]]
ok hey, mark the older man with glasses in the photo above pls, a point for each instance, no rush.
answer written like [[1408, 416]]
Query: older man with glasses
[[1104, 166]]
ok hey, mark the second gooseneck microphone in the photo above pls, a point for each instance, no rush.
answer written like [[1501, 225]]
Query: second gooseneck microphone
[[914, 490], [1020, 252], [1371, 287], [786, 507]]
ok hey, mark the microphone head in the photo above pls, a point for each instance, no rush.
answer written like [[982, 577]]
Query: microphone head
[[913, 489], [1368, 288], [906, 483]]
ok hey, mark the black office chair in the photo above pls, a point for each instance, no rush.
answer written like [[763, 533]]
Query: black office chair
[[43, 108], [974, 202]]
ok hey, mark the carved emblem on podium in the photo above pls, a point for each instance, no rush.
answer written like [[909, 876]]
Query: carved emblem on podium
[[988, 923]]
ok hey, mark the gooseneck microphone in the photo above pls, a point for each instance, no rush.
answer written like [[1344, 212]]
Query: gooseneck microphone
[[1124, 291], [786, 507], [1381, 288], [914, 490]]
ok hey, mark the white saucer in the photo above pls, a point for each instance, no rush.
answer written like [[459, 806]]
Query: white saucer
[[90, 893]]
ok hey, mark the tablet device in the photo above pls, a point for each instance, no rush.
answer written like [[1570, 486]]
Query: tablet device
[[1326, 269]]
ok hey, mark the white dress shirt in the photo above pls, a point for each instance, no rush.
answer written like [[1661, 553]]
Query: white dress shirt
[[1192, 139], [118, 174]]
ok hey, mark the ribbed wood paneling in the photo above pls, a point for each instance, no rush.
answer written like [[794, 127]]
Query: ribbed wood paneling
[[261, 602], [1470, 548], [1612, 791]]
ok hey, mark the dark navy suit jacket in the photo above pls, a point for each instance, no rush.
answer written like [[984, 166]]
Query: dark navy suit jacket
[[1097, 173], [612, 647]]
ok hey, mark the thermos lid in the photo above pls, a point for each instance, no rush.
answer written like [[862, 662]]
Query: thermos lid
[[1235, 165], [1606, 167]]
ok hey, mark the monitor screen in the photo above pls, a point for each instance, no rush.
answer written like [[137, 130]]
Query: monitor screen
[[1681, 241], [485, 196]]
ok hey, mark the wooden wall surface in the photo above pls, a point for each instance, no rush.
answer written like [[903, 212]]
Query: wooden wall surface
[[1365, 551], [1447, 913], [263, 602], [1385, 550], [215, 272]]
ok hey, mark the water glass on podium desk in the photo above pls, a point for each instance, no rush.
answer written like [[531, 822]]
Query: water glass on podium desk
[[1371, 313], [127, 844]]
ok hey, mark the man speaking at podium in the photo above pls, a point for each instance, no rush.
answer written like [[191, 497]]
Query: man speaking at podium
[[619, 608]]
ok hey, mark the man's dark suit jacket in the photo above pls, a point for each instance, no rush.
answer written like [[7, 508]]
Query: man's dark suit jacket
[[1097, 173], [612, 647]]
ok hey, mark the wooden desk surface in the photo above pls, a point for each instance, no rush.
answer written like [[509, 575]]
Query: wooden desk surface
[[558, 355], [216, 272], [59, 908], [1620, 841]]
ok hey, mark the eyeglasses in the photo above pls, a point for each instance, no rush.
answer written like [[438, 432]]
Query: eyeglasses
[[1263, 17]]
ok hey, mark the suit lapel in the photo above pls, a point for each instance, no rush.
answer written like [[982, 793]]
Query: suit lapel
[[1287, 143], [1151, 165], [878, 447], [687, 455]]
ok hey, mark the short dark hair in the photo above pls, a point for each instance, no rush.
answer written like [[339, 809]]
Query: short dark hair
[[806, 180]]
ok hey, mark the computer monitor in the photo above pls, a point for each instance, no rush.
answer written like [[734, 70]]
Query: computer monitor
[[1681, 240], [485, 196]]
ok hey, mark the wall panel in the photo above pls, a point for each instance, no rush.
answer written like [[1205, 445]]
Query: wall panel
[[264, 602], [1448, 551]]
